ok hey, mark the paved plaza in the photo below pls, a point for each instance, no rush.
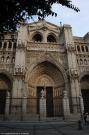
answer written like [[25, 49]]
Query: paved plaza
[[43, 128]]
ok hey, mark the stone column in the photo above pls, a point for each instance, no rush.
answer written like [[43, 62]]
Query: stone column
[[24, 99], [72, 65], [7, 105], [19, 71], [66, 107], [45, 37], [81, 105], [75, 89], [17, 97], [42, 105], [7, 46], [2, 44], [24, 103], [12, 46]]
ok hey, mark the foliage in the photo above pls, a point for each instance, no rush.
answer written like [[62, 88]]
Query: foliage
[[13, 11]]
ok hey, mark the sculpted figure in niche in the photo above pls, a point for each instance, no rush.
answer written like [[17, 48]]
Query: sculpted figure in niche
[[2, 58], [8, 59]]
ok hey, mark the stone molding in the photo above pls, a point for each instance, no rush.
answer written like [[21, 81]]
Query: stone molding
[[45, 47], [83, 69], [70, 47]]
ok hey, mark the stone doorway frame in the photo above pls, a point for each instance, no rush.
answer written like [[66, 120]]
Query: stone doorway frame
[[84, 73], [46, 98], [8, 93], [48, 58]]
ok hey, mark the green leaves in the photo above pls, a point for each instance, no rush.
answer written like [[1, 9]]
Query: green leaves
[[13, 11]]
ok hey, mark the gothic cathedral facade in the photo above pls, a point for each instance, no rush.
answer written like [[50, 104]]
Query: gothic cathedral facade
[[44, 72]]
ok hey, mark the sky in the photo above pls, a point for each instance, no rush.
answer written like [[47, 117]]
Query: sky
[[79, 21]]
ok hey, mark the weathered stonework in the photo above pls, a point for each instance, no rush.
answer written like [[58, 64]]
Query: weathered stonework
[[44, 56]]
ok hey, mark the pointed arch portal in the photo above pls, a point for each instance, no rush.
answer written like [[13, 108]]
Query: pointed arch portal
[[46, 76], [84, 84], [5, 88]]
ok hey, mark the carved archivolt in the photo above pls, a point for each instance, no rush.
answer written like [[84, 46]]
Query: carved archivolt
[[49, 59], [44, 80]]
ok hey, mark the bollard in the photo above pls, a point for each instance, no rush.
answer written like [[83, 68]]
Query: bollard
[[80, 125]]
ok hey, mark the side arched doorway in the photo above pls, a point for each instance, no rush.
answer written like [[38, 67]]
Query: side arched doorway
[[5, 90], [84, 84], [46, 76]]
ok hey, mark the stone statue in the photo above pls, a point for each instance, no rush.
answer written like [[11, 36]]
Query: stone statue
[[42, 93]]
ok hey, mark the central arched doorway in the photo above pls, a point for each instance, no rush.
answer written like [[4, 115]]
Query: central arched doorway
[[5, 88], [46, 76], [84, 83]]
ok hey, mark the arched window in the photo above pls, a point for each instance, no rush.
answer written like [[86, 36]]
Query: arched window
[[13, 59], [81, 61], [85, 61], [2, 58], [8, 59], [77, 61], [51, 38], [86, 47], [5, 45], [82, 47], [10, 45], [37, 37], [14, 46], [78, 48]]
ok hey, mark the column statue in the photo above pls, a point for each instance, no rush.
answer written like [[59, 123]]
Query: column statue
[[42, 94]]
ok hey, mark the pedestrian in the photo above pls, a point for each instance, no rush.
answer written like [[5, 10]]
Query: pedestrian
[[85, 118]]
